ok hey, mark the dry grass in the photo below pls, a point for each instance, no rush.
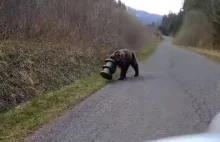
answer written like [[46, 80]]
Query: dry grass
[[192, 32], [210, 53], [45, 108], [21, 121], [196, 35], [48, 44], [147, 52], [52, 43], [29, 69]]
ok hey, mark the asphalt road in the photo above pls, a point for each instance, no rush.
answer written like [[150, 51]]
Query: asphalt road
[[178, 92]]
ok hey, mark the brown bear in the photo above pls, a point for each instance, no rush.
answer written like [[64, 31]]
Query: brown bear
[[124, 58]]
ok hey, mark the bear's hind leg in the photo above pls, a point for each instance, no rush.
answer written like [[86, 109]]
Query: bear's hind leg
[[123, 72], [136, 68]]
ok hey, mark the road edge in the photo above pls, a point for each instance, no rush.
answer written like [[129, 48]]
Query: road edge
[[213, 55]]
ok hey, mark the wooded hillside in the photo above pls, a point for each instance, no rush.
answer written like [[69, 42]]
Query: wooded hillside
[[197, 24]]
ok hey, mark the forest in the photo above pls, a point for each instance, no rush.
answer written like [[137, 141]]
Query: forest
[[197, 24]]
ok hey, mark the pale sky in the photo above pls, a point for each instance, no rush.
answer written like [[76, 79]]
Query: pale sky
[[155, 6]]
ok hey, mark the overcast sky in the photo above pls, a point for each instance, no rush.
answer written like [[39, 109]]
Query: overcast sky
[[155, 6]]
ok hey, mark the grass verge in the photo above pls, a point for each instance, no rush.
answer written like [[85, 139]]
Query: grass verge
[[145, 53], [17, 123], [214, 55]]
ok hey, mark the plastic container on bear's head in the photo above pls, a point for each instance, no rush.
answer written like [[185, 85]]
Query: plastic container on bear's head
[[109, 69]]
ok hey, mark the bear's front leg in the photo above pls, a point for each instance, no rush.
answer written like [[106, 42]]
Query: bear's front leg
[[123, 72]]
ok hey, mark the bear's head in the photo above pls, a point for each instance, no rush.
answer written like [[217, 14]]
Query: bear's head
[[117, 56]]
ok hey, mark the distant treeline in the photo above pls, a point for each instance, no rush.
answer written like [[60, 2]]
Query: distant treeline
[[197, 24]]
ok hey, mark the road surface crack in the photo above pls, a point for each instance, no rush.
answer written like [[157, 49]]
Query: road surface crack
[[198, 103]]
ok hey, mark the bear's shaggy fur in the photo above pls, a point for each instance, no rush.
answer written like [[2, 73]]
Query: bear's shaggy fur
[[124, 58]]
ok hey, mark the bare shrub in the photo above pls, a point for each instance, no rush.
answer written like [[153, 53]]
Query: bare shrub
[[196, 30]]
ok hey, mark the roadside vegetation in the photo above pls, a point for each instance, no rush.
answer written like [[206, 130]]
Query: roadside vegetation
[[43, 109], [147, 52], [209, 53], [197, 25], [51, 52], [17, 123], [48, 44]]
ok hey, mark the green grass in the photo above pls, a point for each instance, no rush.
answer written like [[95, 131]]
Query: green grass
[[145, 53], [19, 122]]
